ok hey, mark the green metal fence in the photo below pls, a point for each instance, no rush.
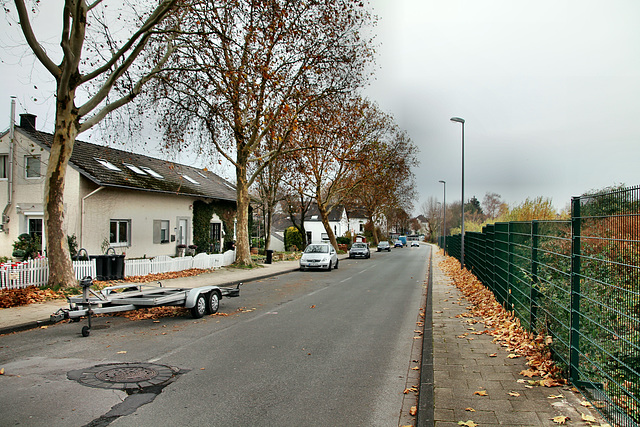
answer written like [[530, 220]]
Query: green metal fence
[[577, 281]]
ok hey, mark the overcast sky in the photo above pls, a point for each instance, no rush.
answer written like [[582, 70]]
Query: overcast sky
[[549, 89]]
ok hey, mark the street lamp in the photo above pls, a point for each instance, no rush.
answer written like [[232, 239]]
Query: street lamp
[[459, 120], [444, 216]]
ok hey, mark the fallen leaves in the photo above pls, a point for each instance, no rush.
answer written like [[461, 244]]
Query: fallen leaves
[[481, 393], [504, 327], [412, 389], [153, 313], [560, 419], [468, 423], [413, 410], [25, 296]]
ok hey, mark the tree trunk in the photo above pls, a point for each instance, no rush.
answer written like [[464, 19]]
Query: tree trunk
[[267, 228], [376, 238], [324, 216], [243, 250], [60, 265]]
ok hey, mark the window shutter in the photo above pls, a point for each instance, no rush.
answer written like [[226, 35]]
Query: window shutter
[[157, 225]]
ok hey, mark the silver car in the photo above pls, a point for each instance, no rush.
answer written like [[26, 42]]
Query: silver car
[[359, 249], [319, 255]]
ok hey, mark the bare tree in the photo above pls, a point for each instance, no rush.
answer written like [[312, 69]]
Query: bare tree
[[433, 211], [247, 66], [117, 68], [493, 206], [388, 180]]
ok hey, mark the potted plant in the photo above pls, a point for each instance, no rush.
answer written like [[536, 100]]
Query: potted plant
[[180, 250]]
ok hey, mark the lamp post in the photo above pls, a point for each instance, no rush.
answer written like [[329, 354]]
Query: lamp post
[[459, 120], [444, 216]]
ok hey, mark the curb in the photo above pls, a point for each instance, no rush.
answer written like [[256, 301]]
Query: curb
[[426, 411]]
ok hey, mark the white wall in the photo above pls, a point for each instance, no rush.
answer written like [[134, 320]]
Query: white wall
[[140, 209], [28, 193]]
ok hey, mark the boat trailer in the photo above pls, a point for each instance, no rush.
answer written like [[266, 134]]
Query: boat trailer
[[200, 301]]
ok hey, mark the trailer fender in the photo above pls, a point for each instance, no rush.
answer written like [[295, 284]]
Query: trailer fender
[[192, 295]]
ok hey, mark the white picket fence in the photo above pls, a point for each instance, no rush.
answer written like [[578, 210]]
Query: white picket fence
[[35, 272], [166, 264]]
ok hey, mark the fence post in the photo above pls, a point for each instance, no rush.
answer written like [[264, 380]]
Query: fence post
[[509, 266], [533, 295], [574, 345]]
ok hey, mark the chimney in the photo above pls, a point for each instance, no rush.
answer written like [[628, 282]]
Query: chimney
[[28, 121]]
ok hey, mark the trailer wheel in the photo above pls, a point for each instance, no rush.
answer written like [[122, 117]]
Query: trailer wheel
[[198, 310], [213, 302], [86, 331]]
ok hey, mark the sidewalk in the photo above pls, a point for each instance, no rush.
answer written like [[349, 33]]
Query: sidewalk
[[35, 315], [463, 369]]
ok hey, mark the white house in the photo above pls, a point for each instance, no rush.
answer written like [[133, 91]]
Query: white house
[[316, 232], [357, 220], [136, 204]]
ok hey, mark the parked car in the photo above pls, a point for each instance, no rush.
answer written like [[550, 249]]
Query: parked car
[[415, 243], [398, 244], [319, 255], [359, 249], [384, 246]]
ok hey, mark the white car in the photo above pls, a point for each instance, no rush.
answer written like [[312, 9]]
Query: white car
[[319, 255], [415, 243]]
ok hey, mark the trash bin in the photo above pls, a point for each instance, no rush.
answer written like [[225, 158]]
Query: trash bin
[[109, 267], [269, 256]]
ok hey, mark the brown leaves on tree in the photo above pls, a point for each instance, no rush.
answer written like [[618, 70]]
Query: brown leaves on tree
[[504, 326]]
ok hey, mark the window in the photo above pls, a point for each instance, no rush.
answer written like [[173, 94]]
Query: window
[[119, 232], [108, 165], [135, 169], [32, 166], [160, 231], [361, 227], [151, 172], [4, 165], [35, 228], [191, 180]]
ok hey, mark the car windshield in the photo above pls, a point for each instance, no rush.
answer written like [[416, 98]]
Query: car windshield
[[359, 245], [317, 249], [383, 243]]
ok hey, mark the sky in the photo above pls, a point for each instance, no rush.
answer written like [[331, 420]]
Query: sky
[[549, 90]]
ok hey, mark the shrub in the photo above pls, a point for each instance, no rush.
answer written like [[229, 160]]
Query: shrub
[[293, 237]]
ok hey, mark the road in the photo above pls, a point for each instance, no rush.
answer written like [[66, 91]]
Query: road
[[311, 348]]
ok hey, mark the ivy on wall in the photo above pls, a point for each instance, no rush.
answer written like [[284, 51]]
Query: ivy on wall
[[202, 213]]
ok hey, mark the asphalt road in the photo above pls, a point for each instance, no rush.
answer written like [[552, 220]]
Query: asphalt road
[[311, 348]]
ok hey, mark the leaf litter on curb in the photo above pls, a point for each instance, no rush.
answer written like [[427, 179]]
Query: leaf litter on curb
[[504, 327]]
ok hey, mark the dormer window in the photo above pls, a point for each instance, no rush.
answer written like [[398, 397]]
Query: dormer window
[[108, 165], [151, 172], [135, 169], [191, 180]]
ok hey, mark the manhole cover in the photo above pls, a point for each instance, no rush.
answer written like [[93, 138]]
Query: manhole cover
[[127, 374], [124, 376]]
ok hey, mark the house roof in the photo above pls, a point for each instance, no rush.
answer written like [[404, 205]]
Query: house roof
[[357, 213], [138, 172], [313, 214]]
